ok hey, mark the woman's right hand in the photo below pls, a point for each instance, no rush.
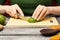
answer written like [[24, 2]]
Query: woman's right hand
[[13, 10]]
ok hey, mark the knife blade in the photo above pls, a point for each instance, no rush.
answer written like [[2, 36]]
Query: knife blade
[[22, 17]]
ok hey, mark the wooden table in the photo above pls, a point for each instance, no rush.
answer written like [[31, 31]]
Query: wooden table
[[23, 34]]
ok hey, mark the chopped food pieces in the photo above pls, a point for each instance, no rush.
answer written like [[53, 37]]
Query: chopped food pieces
[[32, 20], [23, 18]]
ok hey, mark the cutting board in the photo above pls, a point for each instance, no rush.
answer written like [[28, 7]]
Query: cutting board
[[47, 22]]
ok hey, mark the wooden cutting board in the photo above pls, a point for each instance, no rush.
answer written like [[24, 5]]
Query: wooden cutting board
[[47, 22]]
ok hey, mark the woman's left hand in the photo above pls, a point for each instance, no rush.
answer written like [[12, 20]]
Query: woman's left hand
[[41, 12]]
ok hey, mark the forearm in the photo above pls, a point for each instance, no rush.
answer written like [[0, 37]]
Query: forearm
[[55, 10], [2, 11]]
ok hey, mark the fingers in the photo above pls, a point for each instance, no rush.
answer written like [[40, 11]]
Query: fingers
[[40, 13], [18, 9], [8, 12], [35, 11], [12, 12], [47, 12]]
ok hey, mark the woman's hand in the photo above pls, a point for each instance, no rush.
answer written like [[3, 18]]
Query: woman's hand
[[13, 10], [41, 12]]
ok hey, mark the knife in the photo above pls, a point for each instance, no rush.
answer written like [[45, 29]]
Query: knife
[[22, 17]]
